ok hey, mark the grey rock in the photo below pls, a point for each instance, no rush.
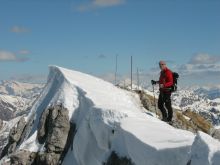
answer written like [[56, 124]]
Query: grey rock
[[22, 158], [58, 130], [16, 131], [5, 111], [1, 124], [216, 134], [47, 159], [42, 127], [54, 131], [115, 159], [12, 147], [14, 137]]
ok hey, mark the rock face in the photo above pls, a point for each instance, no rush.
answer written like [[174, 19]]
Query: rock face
[[1, 124], [16, 99], [54, 131], [216, 134], [6, 114], [115, 159], [14, 137], [22, 157], [53, 128], [148, 102]]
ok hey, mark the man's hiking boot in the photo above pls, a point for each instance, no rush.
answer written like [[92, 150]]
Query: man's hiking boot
[[164, 119], [170, 122]]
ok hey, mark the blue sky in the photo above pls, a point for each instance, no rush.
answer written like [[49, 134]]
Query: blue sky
[[86, 35]]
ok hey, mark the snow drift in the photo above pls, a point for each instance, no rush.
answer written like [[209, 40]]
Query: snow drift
[[106, 120]]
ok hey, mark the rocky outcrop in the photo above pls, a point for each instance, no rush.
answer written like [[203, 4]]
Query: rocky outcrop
[[148, 102], [216, 134], [47, 158], [213, 116], [1, 124], [5, 113], [55, 131], [115, 159], [22, 158], [14, 137]]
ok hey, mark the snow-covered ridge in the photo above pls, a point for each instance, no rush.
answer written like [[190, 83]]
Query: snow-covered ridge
[[75, 90], [107, 119]]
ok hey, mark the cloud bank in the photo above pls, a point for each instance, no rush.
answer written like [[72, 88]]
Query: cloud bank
[[19, 29], [10, 56], [202, 68], [98, 4]]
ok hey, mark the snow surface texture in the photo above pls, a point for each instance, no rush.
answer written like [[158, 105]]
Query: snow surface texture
[[108, 119], [205, 150]]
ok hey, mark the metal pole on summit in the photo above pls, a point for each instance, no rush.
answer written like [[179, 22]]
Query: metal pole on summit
[[131, 72], [138, 79], [116, 68]]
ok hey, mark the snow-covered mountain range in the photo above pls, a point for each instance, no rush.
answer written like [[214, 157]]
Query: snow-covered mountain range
[[82, 120], [203, 100], [16, 97]]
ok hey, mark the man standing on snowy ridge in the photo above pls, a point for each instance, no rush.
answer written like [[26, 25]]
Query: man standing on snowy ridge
[[165, 84]]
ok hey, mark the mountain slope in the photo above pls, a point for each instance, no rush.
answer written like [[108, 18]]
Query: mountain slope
[[16, 97], [24, 90], [202, 100], [199, 103], [82, 120]]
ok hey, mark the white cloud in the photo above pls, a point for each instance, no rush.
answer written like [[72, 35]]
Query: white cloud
[[19, 29], [96, 4], [7, 56], [198, 74], [201, 63], [10, 56], [201, 69], [204, 58], [24, 52], [107, 3]]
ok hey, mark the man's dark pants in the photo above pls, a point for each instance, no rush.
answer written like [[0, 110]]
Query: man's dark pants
[[164, 104]]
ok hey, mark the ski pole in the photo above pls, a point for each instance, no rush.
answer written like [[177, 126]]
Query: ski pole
[[155, 102]]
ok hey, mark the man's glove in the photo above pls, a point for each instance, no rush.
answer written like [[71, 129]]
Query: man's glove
[[153, 82]]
